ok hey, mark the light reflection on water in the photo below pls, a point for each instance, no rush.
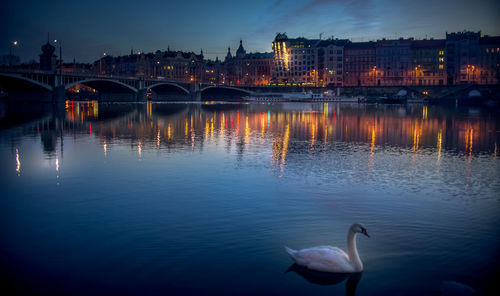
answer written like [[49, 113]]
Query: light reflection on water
[[397, 126], [169, 198]]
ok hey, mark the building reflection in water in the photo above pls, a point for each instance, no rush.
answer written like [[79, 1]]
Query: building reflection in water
[[439, 148], [284, 127]]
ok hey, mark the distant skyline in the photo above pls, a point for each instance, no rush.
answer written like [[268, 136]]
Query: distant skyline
[[89, 29]]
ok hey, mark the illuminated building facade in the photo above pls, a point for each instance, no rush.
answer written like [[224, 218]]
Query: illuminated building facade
[[489, 60], [462, 57], [308, 62], [248, 68], [428, 62], [330, 62], [214, 72], [393, 62], [360, 64], [172, 65]]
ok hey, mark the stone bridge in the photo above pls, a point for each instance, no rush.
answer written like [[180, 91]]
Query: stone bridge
[[50, 86]]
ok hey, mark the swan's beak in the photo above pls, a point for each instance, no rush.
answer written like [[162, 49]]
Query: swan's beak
[[365, 233]]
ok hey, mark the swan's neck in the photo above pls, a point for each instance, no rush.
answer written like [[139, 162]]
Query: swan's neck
[[352, 251]]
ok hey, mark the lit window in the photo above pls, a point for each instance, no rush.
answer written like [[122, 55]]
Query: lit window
[[441, 67]]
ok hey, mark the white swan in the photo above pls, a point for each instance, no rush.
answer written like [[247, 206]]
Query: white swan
[[332, 259]]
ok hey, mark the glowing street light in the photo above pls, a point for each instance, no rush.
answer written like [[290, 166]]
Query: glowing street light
[[100, 64], [60, 56], [14, 43]]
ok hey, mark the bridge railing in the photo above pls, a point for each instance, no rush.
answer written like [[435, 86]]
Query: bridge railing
[[26, 71], [87, 75]]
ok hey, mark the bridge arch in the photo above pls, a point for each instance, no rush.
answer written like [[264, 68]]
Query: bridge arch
[[402, 93], [159, 84], [101, 84], [18, 82], [247, 92], [474, 93]]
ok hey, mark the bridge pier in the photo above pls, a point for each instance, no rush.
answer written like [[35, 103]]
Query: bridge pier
[[58, 94], [195, 92], [196, 95], [141, 95]]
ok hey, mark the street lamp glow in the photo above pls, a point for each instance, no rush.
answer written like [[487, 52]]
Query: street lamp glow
[[14, 43]]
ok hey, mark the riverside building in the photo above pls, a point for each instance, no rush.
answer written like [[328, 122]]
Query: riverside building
[[248, 68], [308, 62]]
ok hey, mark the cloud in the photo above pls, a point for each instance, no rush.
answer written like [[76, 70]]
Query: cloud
[[315, 16]]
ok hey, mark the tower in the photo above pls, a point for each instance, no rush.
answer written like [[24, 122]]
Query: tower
[[241, 52], [48, 58], [229, 56]]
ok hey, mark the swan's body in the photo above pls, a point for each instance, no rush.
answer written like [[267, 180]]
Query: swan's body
[[332, 259]]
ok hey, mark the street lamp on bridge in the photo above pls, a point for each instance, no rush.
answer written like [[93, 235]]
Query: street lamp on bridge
[[60, 57], [14, 43], [100, 63]]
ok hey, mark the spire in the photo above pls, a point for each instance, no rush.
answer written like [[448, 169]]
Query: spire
[[229, 56], [240, 53], [201, 53], [168, 49]]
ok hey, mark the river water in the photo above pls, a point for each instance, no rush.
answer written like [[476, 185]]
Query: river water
[[199, 199]]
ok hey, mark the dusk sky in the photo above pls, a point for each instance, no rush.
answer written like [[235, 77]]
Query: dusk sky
[[87, 29]]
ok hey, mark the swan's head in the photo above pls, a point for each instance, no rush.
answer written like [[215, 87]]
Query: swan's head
[[360, 228]]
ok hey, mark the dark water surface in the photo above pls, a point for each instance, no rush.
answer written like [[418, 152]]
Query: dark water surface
[[183, 199]]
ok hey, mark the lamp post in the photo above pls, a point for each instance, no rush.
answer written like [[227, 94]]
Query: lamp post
[[60, 58], [14, 43], [100, 64]]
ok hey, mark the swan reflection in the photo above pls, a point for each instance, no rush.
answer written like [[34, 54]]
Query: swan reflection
[[328, 278]]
